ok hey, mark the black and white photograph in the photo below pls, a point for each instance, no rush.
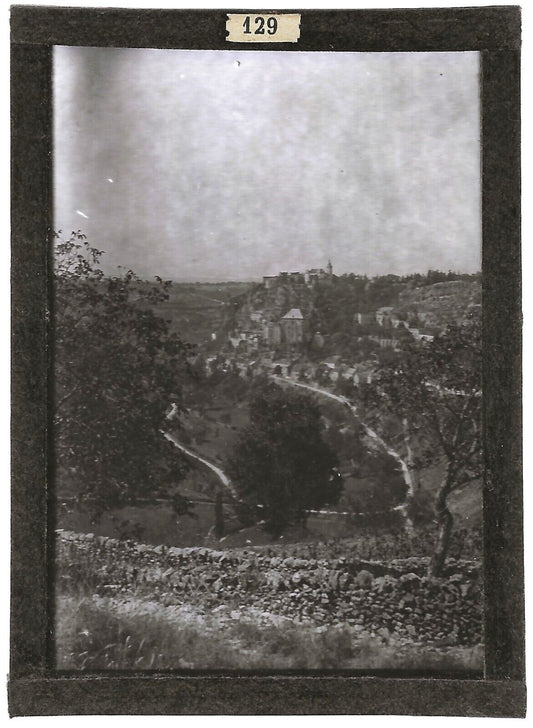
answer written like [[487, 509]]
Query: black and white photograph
[[267, 450]]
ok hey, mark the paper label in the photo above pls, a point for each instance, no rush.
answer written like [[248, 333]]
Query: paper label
[[263, 28]]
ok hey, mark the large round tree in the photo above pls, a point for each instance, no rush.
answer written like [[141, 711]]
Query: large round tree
[[115, 370], [281, 466]]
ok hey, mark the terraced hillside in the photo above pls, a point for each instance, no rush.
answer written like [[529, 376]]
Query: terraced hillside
[[443, 303]]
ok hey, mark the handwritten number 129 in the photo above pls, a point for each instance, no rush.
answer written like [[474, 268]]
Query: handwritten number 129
[[271, 25]]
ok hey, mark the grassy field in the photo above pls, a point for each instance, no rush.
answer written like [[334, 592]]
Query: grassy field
[[161, 526], [213, 430], [102, 634], [196, 310]]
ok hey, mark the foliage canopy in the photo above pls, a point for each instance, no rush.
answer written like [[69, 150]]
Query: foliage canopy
[[116, 369], [281, 461]]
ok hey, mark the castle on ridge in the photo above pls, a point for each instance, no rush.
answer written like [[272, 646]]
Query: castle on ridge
[[309, 278]]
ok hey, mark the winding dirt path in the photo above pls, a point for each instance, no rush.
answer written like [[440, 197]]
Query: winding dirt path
[[406, 473], [221, 475]]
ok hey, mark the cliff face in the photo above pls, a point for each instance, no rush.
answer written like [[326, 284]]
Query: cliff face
[[273, 303]]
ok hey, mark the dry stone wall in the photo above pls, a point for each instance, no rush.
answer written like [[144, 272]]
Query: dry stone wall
[[384, 598]]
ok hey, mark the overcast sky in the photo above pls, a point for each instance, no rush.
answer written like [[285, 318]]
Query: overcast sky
[[224, 165]]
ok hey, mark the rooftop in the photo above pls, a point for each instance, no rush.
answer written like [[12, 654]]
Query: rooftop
[[294, 313]]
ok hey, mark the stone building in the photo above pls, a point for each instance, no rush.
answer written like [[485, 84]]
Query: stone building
[[363, 319], [293, 326], [314, 275], [273, 333], [310, 278], [296, 278], [383, 315], [269, 281]]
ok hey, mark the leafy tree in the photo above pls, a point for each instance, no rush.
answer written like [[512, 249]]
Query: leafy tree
[[345, 387], [281, 463], [116, 370], [428, 403]]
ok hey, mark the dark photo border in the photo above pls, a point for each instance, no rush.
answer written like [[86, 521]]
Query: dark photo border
[[34, 687]]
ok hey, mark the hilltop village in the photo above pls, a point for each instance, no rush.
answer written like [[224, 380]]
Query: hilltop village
[[318, 327], [278, 494]]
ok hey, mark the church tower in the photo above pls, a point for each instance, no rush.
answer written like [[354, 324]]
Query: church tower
[[330, 269]]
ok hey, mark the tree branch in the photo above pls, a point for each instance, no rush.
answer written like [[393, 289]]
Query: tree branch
[[444, 444], [465, 482]]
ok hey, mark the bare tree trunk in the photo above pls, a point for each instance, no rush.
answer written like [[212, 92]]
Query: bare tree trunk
[[411, 478], [444, 525], [410, 459], [219, 515]]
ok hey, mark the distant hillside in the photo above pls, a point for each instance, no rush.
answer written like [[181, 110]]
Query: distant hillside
[[198, 310], [442, 303], [332, 306]]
